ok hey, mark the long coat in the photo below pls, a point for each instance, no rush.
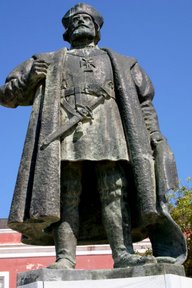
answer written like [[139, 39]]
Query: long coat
[[36, 201]]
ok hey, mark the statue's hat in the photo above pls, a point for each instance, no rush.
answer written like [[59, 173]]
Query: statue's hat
[[82, 8]]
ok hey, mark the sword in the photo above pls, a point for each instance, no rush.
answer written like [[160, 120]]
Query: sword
[[83, 113]]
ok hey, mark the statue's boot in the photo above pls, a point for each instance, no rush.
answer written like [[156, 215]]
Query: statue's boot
[[65, 232], [123, 253], [112, 184], [65, 246]]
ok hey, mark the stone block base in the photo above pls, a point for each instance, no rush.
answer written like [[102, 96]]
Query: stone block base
[[82, 278], [158, 281]]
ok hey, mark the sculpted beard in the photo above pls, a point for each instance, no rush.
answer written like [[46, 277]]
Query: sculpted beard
[[82, 30]]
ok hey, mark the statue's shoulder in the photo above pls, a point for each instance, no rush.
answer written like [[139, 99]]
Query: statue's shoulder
[[48, 56], [127, 60]]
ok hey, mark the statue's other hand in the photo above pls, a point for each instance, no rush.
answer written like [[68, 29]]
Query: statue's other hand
[[38, 71]]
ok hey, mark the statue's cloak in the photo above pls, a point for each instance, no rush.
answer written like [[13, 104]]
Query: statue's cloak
[[36, 201]]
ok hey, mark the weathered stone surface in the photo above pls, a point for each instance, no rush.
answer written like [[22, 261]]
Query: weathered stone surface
[[158, 281], [93, 150], [76, 275]]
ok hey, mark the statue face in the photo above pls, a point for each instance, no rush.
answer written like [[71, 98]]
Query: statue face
[[82, 27]]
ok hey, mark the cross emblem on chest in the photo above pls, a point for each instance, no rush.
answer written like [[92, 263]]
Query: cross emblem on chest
[[87, 64]]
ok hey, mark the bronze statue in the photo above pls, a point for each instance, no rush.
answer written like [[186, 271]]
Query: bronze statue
[[93, 147]]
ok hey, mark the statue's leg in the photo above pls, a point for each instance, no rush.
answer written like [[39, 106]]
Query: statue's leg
[[65, 232], [112, 183]]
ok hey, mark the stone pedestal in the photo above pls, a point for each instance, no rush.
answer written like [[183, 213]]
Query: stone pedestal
[[156, 275], [158, 281]]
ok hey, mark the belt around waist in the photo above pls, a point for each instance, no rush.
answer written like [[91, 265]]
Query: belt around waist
[[92, 89]]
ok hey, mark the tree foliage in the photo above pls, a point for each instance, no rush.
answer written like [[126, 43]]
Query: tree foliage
[[180, 203]]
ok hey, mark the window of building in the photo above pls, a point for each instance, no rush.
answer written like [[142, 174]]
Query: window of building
[[4, 279]]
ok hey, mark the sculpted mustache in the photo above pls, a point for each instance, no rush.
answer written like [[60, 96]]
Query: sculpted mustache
[[82, 25]]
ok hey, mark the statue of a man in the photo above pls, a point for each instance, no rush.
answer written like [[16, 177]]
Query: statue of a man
[[93, 131]]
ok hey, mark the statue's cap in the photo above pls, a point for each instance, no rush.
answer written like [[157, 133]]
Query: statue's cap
[[82, 8]]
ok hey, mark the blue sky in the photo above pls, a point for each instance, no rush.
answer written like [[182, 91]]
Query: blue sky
[[157, 33]]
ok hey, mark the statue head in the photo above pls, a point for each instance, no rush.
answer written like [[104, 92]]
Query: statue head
[[79, 16]]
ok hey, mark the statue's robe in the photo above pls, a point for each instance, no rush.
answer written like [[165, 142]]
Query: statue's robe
[[36, 201]]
